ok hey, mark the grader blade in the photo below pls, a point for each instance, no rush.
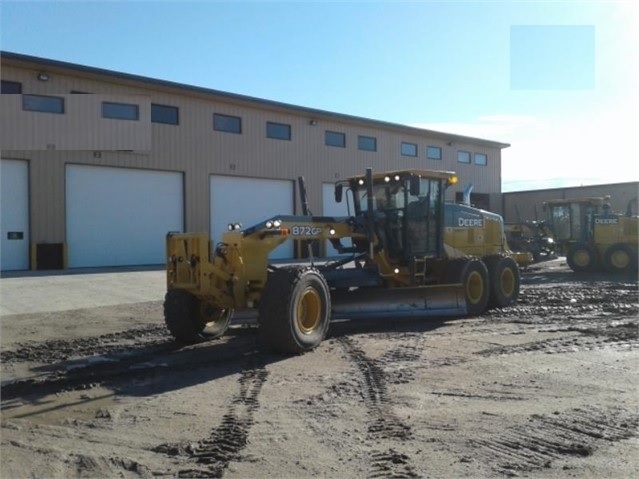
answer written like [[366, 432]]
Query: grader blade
[[420, 301]]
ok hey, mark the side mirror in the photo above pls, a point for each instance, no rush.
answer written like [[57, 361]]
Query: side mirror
[[415, 185], [338, 192]]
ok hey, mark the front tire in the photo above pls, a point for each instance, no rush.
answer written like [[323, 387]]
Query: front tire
[[504, 277], [294, 310], [179, 316], [191, 320]]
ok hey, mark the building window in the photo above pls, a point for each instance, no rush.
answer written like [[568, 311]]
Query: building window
[[43, 103], [11, 87], [168, 115], [433, 153], [463, 156], [227, 123], [334, 138], [367, 143], [409, 149], [481, 159], [120, 111], [278, 131]]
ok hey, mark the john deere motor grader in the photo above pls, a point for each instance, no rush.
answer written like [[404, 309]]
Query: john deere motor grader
[[396, 264]]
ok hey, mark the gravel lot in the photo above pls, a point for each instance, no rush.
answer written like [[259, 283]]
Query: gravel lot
[[547, 388]]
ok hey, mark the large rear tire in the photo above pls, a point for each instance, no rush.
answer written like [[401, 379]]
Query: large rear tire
[[473, 275], [620, 259], [191, 320], [294, 310], [505, 280], [582, 258]]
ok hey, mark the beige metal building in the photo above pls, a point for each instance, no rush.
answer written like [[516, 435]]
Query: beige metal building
[[98, 165]]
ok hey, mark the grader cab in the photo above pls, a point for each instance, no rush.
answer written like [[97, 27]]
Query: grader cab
[[394, 262]]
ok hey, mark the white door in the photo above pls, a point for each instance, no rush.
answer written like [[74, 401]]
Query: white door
[[120, 216], [332, 208], [249, 201], [14, 215]]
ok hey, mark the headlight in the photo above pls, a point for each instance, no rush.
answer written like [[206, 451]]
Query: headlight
[[331, 231], [269, 224], [277, 223]]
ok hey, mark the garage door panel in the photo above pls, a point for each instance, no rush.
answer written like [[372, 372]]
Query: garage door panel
[[249, 201], [120, 216], [14, 215]]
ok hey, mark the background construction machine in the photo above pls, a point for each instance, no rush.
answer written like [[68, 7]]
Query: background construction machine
[[593, 237], [567, 219], [394, 261]]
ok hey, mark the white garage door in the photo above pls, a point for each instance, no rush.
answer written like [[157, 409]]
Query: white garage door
[[249, 201], [14, 215], [120, 216], [331, 208]]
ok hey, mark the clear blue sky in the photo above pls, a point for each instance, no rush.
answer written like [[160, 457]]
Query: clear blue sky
[[557, 80]]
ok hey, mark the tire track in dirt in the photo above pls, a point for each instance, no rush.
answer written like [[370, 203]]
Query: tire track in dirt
[[212, 455], [624, 336], [112, 364], [546, 438], [383, 424], [52, 351]]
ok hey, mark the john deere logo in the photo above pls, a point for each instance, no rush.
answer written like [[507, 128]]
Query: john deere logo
[[606, 221], [470, 222]]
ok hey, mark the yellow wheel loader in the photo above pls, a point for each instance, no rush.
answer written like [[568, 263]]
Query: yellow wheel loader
[[393, 263]]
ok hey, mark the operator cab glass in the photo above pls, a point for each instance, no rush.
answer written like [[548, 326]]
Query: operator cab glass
[[407, 224]]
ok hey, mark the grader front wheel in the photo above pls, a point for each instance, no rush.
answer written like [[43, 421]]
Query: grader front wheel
[[294, 310], [191, 320]]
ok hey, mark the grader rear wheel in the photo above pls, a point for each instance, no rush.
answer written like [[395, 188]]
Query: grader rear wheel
[[294, 310], [619, 258], [582, 257], [503, 273], [473, 275]]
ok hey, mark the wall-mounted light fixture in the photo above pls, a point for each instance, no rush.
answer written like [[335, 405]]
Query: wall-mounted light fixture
[[450, 143], [312, 122], [43, 76]]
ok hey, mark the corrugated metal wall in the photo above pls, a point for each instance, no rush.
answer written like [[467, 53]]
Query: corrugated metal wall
[[528, 205]]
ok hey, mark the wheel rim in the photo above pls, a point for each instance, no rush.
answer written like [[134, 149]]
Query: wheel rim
[[474, 287], [619, 259], [309, 308], [582, 258], [507, 282], [210, 314]]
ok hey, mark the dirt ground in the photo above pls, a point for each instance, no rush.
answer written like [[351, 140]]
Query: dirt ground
[[547, 388]]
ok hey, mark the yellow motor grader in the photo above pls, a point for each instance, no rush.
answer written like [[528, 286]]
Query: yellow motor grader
[[593, 237], [395, 261]]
